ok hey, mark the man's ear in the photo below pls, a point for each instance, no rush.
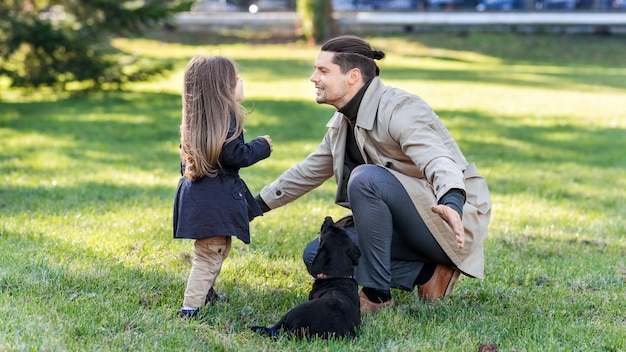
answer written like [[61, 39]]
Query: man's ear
[[354, 76]]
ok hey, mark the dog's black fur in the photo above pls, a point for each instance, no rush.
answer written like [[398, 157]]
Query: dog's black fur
[[333, 306]]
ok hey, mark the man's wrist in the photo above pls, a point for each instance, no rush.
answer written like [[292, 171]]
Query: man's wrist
[[261, 203], [455, 198]]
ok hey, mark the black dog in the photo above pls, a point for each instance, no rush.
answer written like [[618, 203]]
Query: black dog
[[333, 306]]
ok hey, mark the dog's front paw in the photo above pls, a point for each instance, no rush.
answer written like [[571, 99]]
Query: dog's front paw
[[271, 332]]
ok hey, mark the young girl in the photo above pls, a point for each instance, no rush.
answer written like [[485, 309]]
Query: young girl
[[212, 202]]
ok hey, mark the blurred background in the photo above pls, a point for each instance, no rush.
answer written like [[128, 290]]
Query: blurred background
[[254, 6]]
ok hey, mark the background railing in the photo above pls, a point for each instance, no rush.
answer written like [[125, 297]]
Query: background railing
[[417, 5]]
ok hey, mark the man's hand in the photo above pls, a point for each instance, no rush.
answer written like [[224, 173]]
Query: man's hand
[[453, 219]]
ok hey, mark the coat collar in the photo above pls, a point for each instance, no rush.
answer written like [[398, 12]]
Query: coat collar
[[369, 105], [368, 108], [351, 110]]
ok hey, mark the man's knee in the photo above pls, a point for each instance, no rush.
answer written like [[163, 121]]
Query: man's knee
[[361, 177], [309, 253]]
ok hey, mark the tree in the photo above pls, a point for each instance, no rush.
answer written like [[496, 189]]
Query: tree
[[52, 43], [317, 19]]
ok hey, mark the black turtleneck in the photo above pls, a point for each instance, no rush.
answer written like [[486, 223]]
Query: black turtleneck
[[352, 108], [353, 157]]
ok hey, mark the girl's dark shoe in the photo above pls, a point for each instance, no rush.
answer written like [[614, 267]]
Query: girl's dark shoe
[[213, 297], [188, 313]]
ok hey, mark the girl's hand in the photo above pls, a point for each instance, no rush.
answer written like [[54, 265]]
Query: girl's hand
[[269, 141]]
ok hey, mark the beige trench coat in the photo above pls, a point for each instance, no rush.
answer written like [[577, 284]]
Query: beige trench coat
[[400, 132]]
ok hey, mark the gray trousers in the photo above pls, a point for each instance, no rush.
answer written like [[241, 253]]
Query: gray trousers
[[393, 239]]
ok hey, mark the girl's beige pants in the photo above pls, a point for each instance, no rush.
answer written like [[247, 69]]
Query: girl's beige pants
[[209, 254]]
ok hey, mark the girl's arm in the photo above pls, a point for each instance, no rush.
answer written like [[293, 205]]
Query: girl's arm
[[237, 153]]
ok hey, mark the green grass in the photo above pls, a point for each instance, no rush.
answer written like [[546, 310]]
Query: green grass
[[87, 183]]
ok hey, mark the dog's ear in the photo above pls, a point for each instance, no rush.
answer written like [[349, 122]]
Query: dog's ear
[[354, 253], [328, 222], [320, 262]]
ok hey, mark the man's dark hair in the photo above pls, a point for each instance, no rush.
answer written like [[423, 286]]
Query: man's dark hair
[[352, 51]]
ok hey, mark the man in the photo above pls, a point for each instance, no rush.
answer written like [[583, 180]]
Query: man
[[420, 211]]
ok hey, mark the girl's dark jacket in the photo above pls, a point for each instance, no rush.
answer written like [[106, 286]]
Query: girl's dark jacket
[[220, 205]]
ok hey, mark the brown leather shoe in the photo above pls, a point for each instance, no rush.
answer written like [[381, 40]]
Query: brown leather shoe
[[440, 284], [368, 306]]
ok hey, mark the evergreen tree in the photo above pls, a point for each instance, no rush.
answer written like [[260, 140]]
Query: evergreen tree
[[52, 43]]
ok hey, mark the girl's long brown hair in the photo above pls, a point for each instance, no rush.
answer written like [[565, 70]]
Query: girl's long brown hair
[[208, 106]]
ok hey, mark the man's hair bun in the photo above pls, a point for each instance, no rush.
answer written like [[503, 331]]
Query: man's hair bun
[[377, 54]]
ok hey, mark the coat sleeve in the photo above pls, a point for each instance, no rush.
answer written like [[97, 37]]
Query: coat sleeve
[[237, 154], [414, 126], [301, 178]]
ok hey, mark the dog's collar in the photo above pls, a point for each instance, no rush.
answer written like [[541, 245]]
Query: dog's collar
[[324, 276]]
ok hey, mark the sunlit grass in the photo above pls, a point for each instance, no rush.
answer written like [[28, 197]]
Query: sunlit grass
[[87, 186]]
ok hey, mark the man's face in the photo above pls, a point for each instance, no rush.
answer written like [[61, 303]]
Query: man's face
[[331, 86]]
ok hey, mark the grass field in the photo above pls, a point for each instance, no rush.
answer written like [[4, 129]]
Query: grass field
[[88, 263]]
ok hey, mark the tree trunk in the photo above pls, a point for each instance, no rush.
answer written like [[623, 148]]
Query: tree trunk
[[318, 23]]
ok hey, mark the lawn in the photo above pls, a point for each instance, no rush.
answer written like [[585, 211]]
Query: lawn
[[88, 262]]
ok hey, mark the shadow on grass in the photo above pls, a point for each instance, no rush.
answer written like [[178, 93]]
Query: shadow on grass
[[539, 49], [208, 38], [545, 79], [82, 291], [89, 293], [563, 53], [554, 144], [117, 123], [568, 164], [95, 298], [81, 198], [139, 131], [557, 76]]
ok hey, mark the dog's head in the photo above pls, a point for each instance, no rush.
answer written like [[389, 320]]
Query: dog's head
[[336, 255]]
